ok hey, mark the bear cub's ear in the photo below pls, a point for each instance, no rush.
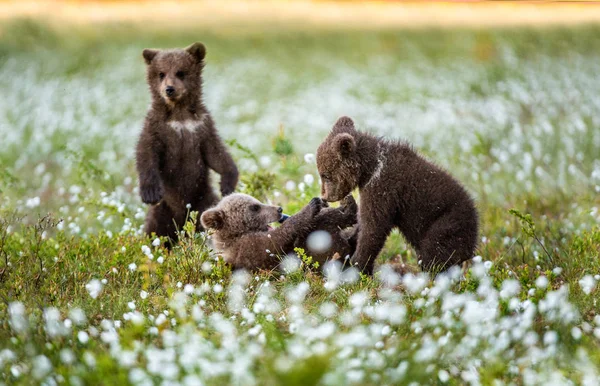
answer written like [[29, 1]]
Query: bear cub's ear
[[149, 54], [213, 219], [344, 123], [197, 50], [344, 144]]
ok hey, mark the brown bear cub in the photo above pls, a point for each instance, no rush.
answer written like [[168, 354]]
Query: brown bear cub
[[398, 188], [179, 143], [245, 239]]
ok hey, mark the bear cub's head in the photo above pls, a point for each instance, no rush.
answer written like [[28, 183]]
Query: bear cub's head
[[240, 213], [338, 162], [175, 75]]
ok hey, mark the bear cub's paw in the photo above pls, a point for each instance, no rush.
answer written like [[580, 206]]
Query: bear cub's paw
[[315, 205], [152, 192], [348, 205]]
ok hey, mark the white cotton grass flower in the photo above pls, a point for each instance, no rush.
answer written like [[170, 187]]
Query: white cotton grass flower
[[18, 318], [510, 288], [94, 288], [388, 276], [309, 179], [443, 376], [237, 290], [415, 283], [290, 264], [541, 282], [309, 158], [66, 356], [265, 161], [41, 366], [143, 294], [290, 185], [557, 271], [132, 267], [296, 294], [332, 270], [319, 241], [206, 267], [160, 319], [32, 202], [77, 315], [587, 284], [147, 251], [328, 309]]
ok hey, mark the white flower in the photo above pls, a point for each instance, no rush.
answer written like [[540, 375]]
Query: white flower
[[18, 320], [206, 267], [132, 267], [77, 315], [309, 158], [94, 288], [510, 288], [290, 185], [160, 319], [550, 338], [319, 241], [443, 376], [265, 161], [155, 243], [309, 179], [587, 284], [290, 264], [41, 366], [32, 202], [541, 282], [143, 294], [557, 271]]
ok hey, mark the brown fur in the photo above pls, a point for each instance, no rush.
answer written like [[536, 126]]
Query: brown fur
[[398, 188], [243, 236], [179, 143], [340, 224]]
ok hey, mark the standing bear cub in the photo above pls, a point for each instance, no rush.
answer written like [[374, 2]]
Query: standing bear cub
[[245, 239], [398, 188], [179, 143]]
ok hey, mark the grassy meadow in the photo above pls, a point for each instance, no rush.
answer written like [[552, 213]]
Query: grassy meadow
[[85, 298]]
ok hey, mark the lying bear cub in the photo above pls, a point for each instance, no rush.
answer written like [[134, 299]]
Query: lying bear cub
[[244, 237]]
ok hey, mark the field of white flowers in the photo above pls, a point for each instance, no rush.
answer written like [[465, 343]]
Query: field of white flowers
[[86, 299]]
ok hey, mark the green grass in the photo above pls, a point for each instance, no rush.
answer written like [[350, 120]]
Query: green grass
[[512, 113]]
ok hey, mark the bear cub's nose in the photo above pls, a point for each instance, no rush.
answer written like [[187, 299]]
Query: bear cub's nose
[[280, 210], [170, 90]]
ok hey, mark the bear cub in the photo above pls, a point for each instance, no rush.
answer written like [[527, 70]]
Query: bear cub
[[398, 188], [179, 143], [245, 239]]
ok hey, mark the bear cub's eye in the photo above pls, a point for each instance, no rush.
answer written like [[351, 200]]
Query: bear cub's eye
[[255, 208], [180, 74], [325, 177], [161, 75]]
